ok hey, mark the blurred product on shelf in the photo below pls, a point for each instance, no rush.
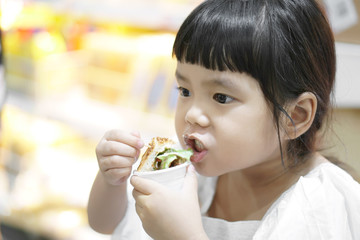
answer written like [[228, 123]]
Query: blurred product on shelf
[[3, 88], [38, 63], [135, 71], [45, 181], [2, 97], [72, 76], [113, 64], [165, 15]]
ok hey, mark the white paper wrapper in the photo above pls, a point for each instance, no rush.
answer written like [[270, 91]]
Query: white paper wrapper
[[172, 177]]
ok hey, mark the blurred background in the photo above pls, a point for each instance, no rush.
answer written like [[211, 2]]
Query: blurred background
[[77, 68]]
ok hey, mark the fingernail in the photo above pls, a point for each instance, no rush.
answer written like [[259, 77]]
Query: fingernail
[[132, 179]]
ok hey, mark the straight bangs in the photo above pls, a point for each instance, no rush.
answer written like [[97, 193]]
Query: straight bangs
[[219, 36]]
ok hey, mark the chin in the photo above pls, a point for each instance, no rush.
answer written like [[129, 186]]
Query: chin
[[200, 169]]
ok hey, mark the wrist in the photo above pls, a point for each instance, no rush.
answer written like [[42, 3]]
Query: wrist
[[121, 183], [117, 186]]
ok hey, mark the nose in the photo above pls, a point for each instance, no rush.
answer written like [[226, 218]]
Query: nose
[[197, 116]]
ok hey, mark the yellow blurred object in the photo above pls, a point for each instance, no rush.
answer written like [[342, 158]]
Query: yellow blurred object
[[35, 15], [45, 43], [133, 70], [49, 220], [48, 185], [35, 51], [33, 44], [30, 132], [70, 78]]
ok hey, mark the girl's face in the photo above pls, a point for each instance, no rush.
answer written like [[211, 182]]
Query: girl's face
[[224, 117]]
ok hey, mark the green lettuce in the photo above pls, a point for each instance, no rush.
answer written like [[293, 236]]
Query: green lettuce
[[168, 156]]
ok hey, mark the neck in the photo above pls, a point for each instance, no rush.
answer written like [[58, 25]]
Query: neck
[[272, 174], [259, 176]]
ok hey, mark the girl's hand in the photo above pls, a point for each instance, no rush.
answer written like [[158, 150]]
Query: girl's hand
[[116, 153], [166, 213]]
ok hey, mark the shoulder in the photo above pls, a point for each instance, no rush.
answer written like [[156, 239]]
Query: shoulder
[[329, 185], [314, 207], [330, 176], [326, 186], [327, 178]]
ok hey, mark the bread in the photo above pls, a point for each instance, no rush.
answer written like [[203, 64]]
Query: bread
[[162, 153]]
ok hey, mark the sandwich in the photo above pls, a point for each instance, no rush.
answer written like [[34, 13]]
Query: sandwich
[[163, 153]]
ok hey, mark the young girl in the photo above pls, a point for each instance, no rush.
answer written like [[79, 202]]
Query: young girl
[[255, 80]]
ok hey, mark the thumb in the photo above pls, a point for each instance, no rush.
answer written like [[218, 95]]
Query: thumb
[[190, 183], [144, 185]]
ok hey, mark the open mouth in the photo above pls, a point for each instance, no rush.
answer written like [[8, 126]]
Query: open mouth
[[197, 146]]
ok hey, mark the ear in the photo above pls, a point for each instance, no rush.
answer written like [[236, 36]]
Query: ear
[[302, 112]]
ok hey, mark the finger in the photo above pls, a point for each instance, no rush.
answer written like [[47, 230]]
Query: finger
[[139, 210], [145, 186], [138, 196], [124, 137], [139, 199], [190, 182], [109, 148], [115, 161], [136, 133], [141, 143]]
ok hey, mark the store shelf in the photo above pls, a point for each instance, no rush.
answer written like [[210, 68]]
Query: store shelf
[[66, 167], [155, 14], [93, 118]]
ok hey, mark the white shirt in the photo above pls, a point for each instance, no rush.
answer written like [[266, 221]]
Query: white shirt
[[324, 204]]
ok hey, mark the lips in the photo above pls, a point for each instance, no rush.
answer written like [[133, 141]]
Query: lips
[[197, 146]]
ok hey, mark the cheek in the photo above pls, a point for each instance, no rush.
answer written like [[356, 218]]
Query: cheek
[[244, 154], [249, 143], [179, 124]]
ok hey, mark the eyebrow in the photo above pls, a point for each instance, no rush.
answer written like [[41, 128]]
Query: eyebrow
[[180, 77], [223, 81]]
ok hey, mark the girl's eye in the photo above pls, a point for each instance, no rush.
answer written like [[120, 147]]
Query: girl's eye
[[222, 98], [184, 92]]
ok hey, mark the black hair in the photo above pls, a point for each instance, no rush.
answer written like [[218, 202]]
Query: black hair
[[286, 45]]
